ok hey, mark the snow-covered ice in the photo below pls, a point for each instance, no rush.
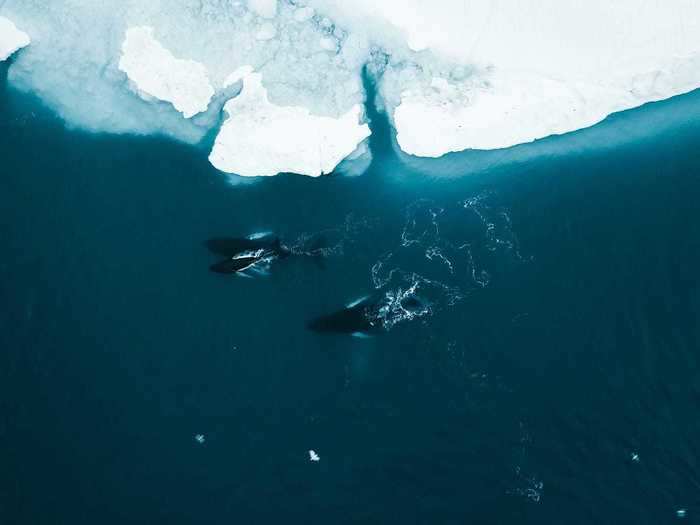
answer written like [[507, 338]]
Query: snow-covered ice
[[452, 75], [73, 64], [157, 73], [11, 38], [263, 8], [539, 69], [490, 74], [261, 138]]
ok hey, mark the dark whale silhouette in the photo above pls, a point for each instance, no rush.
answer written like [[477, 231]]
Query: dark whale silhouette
[[235, 246], [367, 316], [357, 318], [239, 264], [245, 253]]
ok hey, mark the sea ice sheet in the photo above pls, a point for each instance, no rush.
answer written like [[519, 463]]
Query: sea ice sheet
[[489, 74], [452, 75]]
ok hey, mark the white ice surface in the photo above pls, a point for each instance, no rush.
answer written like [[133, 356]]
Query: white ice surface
[[493, 73], [453, 74], [262, 138], [73, 62], [263, 8], [157, 73], [11, 38], [504, 108]]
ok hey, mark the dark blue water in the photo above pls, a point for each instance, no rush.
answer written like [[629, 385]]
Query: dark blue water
[[562, 336]]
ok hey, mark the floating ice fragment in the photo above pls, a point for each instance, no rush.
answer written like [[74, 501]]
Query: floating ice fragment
[[267, 31], [329, 44], [313, 456], [199, 438], [263, 8], [261, 138], [156, 72], [524, 84], [303, 14], [11, 38]]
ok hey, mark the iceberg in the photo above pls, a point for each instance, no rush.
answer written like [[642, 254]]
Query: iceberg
[[261, 138], [451, 75], [156, 72], [11, 39], [546, 69], [490, 74], [506, 108]]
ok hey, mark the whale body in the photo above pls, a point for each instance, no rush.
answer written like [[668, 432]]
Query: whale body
[[246, 253], [357, 318]]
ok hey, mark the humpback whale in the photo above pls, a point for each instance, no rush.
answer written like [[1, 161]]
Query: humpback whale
[[246, 253], [361, 318], [253, 254], [368, 315], [235, 246]]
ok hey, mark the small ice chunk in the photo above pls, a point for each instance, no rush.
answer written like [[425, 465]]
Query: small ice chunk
[[329, 44], [263, 8], [267, 31], [313, 456], [156, 72], [303, 14], [11, 38], [199, 438]]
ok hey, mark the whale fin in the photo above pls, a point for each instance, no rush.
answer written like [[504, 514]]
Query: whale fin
[[259, 235], [357, 301]]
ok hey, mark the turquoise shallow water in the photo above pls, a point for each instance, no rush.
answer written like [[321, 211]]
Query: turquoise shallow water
[[562, 337]]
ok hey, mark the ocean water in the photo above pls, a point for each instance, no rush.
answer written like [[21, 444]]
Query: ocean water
[[552, 376]]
